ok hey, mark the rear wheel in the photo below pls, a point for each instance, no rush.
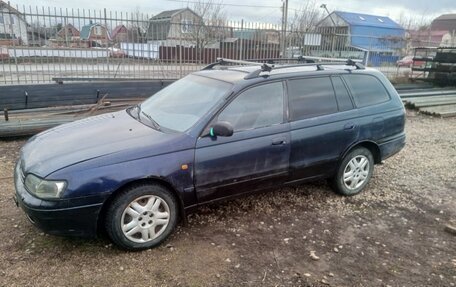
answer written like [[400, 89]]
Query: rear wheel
[[354, 172], [141, 217]]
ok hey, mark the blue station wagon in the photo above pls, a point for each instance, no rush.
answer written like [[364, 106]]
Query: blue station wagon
[[216, 134]]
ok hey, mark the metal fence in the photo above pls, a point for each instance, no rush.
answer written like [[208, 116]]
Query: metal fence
[[42, 45]]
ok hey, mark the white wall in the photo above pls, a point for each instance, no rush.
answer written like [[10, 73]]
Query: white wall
[[57, 52], [139, 50]]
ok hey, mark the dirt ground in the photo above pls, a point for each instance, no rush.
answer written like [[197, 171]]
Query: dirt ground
[[390, 235]]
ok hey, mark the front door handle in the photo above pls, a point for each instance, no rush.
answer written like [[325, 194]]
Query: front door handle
[[279, 141]]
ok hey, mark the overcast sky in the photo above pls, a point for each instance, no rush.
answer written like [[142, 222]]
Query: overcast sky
[[391, 8]]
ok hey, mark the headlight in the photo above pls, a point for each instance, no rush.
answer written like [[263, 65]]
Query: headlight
[[44, 188]]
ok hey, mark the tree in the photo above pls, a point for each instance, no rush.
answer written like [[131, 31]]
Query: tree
[[212, 26], [414, 22], [138, 25], [304, 21], [306, 18]]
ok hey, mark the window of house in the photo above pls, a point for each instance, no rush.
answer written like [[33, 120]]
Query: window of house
[[311, 97], [12, 19], [257, 107], [98, 30], [2, 20], [366, 90], [186, 26]]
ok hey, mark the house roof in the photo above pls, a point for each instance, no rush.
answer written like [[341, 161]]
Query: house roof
[[87, 30], [358, 19], [446, 17], [69, 26], [444, 22], [11, 9], [168, 14]]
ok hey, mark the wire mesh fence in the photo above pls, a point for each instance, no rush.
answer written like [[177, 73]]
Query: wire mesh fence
[[43, 44]]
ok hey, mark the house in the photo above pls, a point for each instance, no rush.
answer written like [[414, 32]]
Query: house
[[120, 34], [68, 33], [380, 38], [174, 26], [68, 36], [445, 22], [426, 38], [13, 27], [442, 32], [95, 34]]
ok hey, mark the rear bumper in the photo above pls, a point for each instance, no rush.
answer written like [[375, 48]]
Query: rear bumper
[[392, 146], [57, 217]]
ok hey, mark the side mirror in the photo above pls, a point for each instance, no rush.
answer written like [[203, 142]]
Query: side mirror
[[223, 129]]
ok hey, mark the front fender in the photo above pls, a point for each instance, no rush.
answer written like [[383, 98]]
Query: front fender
[[87, 180]]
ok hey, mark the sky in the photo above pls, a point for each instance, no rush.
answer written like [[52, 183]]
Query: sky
[[265, 11]]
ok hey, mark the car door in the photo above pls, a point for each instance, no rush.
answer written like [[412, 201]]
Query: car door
[[256, 156], [323, 125]]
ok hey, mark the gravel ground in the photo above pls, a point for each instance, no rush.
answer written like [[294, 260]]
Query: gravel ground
[[390, 235]]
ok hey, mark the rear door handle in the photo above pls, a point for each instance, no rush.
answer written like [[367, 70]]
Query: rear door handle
[[279, 141], [349, 126]]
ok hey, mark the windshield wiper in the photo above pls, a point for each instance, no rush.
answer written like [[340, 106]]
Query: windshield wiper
[[154, 123], [135, 107]]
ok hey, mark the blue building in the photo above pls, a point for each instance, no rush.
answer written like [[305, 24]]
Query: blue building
[[380, 38]]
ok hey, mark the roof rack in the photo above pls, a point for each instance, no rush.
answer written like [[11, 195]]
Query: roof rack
[[256, 74], [268, 67], [303, 59], [225, 62]]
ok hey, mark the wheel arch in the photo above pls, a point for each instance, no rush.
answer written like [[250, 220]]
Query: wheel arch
[[148, 180], [370, 145]]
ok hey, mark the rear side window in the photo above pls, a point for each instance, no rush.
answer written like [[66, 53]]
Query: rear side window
[[257, 107], [343, 98], [366, 90], [311, 97]]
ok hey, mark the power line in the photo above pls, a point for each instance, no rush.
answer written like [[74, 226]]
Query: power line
[[226, 4]]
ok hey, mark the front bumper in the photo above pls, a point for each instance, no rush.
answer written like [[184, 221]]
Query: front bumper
[[58, 217]]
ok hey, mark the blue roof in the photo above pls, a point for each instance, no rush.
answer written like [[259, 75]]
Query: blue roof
[[357, 19], [85, 31]]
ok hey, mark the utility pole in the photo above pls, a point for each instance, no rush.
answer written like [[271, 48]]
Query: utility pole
[[284, 25], [333, 36]]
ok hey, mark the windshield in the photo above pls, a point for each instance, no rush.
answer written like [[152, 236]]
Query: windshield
[[180, 105]]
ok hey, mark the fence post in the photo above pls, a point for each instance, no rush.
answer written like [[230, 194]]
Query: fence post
[[107, 34], [241, 53], [180, 46]]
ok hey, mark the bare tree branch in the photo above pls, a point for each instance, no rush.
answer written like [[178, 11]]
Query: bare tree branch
[[211, 27]]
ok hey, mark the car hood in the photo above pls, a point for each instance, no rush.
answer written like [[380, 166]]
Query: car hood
[[96, 137]]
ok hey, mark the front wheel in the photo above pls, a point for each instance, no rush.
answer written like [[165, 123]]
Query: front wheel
[[354, 172], [141, 217]]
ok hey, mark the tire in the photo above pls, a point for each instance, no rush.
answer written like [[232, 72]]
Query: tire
[[361, 174], [148, 214]]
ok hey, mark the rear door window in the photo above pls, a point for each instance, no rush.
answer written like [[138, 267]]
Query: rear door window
[[366, 90], [311, 97], [343, 97]]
